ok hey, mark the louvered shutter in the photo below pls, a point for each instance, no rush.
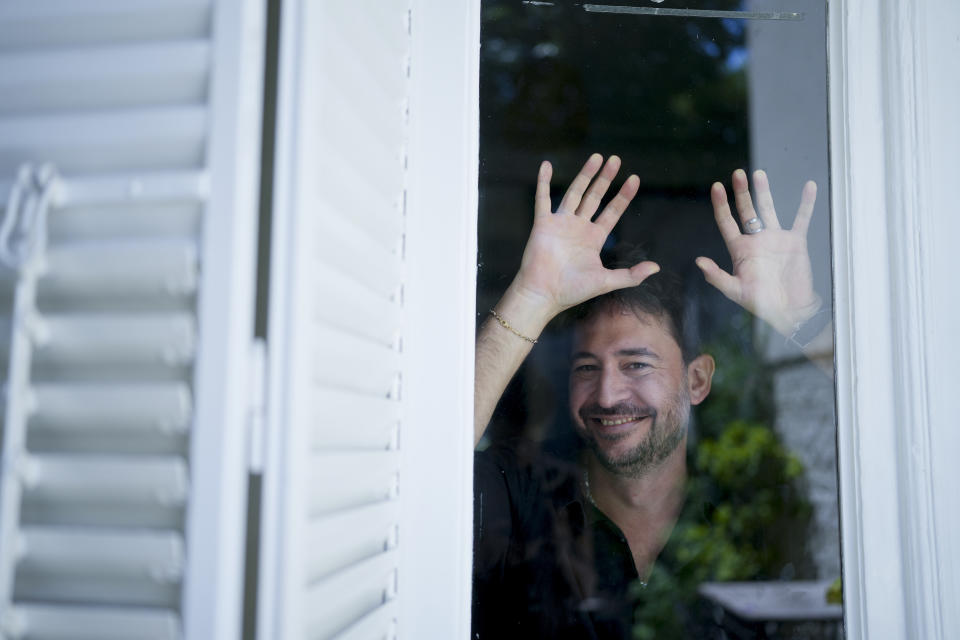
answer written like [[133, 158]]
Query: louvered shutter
[[330, 519], [123, 474]]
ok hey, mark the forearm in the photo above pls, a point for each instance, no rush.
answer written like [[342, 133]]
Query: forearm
[[500, 352]]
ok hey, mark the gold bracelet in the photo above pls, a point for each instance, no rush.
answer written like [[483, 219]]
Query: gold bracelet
[[506, 325]]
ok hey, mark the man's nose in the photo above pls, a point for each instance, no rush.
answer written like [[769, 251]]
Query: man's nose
[[610, 388]]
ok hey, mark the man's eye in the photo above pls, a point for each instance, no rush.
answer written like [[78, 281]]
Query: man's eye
[[585, 368], [636, 365]]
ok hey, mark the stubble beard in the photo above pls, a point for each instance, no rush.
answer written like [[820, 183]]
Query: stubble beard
[[667, 431]]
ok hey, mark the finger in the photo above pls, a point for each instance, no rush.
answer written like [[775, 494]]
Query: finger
[[541, 203], [598, 188], [623, 278], [571, 199], [611, 213], [741, 195], [808, 197], [726, 283], [729, 230], [761, 184]]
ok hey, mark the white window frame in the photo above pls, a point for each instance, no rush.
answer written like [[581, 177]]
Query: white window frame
[[893, 136], [893, 139], [440, 297]]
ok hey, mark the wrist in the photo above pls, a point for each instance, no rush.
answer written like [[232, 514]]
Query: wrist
[[806, 331], [792, 320], [527, 311]]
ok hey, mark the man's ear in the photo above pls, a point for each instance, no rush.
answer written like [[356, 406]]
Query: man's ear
[[700, 377]]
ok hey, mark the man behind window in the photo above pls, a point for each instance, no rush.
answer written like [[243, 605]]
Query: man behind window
[[563, 548]]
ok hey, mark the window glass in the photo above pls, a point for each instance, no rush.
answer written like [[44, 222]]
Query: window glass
[[684, 93]]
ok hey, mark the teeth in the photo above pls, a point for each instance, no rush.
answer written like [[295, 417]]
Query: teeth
[[613, 423]]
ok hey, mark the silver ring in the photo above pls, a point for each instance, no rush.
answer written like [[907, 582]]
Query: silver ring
[[753, 225]]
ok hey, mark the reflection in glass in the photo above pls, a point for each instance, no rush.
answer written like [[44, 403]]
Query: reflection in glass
[[683, 101]]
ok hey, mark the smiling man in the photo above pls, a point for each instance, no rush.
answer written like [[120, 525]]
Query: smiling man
[[631, 385], [563, 547]]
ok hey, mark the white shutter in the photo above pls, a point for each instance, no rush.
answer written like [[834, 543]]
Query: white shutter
[[331, 480], [123, 478]]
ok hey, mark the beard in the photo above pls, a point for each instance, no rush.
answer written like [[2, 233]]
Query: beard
[[667, 430]]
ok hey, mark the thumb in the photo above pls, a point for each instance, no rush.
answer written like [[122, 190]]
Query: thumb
[[623, 278], [726, 283]]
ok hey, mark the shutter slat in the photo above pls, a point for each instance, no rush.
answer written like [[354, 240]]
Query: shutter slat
[[105, 491], [151, 273], [163, 138], [353, 140], [381, 108], [343, 303], [381, 624], [166, 73], [336, 424], [162, 340], [59, 23], [329, 493], [351, 537], [126, 188], [127, 418], [336, 603], [339, 243], [90, 479], [344, 361], [153, 220], [382, 51], [355, 72], [73, 565], [164, 407], [344, 188], [351, 173], [52, 622]]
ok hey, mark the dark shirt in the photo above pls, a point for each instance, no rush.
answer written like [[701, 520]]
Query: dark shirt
[[547, 563]]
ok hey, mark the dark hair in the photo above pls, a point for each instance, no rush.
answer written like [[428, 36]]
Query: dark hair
[[660, 296]]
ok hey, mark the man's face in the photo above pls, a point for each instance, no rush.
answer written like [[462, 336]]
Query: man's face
[[629, 390]]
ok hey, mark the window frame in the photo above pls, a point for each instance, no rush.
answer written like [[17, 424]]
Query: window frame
[[436, 561], [890, 201], [890, 197]]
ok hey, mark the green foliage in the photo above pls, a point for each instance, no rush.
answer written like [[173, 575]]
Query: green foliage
[[835, 592], [752, 487], [745, 514]]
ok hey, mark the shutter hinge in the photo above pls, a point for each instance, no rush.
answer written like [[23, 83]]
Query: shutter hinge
[[257, 406]]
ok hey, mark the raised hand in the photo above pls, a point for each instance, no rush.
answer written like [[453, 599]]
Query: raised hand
[[560, 268], [771, 265], [561, 263]]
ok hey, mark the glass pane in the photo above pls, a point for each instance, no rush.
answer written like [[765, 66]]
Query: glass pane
[[663, 463]]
